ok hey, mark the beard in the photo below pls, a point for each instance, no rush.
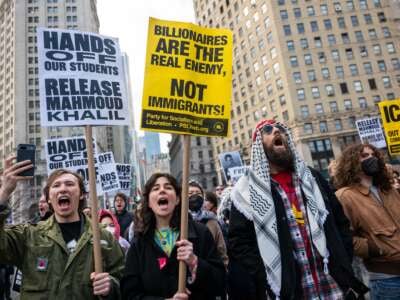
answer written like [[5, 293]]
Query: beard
[[281, 158]]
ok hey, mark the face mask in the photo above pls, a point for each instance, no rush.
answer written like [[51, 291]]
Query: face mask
[[110, 229], [370, 166], [195, 203]]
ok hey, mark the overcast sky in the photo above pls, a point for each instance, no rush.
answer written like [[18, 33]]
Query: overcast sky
[[127, 20]]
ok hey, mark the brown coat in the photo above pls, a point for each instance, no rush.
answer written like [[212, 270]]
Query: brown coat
[[216, 232], [376, 227]]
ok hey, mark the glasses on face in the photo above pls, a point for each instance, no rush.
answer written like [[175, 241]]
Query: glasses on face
[[268, 128]]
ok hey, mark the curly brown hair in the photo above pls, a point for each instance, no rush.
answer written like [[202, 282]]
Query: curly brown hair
[[349, 167], [145, 220]]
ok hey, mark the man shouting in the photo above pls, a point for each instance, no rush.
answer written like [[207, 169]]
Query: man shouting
[[283, 231]]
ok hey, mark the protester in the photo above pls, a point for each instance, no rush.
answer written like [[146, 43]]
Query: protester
[[196, 201], [151, 270], [87, 210], [108, 219], [284, 237], [218, 191], [211, 202], [396, 180], [121, 202], [44, 208], [56, 256], [373, 207]]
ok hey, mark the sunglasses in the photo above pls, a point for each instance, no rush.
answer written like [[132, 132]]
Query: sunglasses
[[268, 128]]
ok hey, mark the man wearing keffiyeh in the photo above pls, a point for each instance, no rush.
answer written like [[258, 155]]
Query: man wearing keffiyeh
[[287, 229]]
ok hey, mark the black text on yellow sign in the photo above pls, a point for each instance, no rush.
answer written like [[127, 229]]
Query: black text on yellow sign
[[390, 113], [187, 86]]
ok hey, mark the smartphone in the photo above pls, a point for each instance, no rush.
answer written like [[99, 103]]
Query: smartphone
[[26, 152]]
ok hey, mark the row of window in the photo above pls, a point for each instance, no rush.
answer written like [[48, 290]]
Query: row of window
[[350, 6], [284, 15]]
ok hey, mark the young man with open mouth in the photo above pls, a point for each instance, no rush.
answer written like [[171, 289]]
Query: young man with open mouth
[[56, 256]]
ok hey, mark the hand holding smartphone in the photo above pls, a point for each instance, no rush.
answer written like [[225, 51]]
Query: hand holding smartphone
[[26, 152]]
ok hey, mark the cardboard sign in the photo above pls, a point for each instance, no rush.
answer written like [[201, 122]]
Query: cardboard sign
[[230, 160], [370, 131], [125, 178], [107, 172], [390, 113], [187, 84], [81, 79]]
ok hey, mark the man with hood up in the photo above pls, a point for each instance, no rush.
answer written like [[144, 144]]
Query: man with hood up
[[284, 231], [124, 217]]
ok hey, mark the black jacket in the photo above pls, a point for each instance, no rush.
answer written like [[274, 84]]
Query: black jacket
[[125, 219], [243, 248], [143, 278]]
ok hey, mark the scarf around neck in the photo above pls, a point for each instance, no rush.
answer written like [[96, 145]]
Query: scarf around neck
[[253, 198]]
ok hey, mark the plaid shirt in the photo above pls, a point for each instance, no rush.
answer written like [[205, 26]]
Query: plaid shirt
[[321, 285]]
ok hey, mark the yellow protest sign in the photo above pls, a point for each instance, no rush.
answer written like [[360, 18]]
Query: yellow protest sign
[[188, 78], [390, 112]]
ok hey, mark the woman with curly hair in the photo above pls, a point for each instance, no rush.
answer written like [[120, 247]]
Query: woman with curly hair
[[151, 270], [373, 207]]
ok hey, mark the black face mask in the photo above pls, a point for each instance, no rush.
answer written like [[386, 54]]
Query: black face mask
[[195, 203], [370, 166]]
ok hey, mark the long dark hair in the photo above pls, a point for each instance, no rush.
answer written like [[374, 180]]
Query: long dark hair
[[145, 220], [349, 168]]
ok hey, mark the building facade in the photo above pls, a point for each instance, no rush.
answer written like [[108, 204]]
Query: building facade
[[203, 164], [316, 65]]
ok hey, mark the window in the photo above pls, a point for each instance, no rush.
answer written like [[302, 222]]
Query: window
[[345, 38], [328, 24], [390, 96], [310, 11], [353, 69], [282, 100], [297, 12], [381, 66], [304, 43], [372, 34], [311, 75], [390, 48], [323, 126], [347, 104], [321, 57], [359, 36], [377, 3], [386, 32], [284, 14], [307, 59], [276, 68], [324, 9], [287, 30], [362, 102], [290, 45], [308, 128], [319, 109], [304, 111], [300, 28], [293, 61], [368, 19], [335, 55], [343, 88], [395, 63], [372, 84], [315, 92], [358, 86], [279, 84], [363, 51], [352, 122], [341, 22], [367, 67], [333, 106], [350, 5], [381, 17], [273, 52], [331, 39], [330, 91], [349, 53], [267, 22], [314, 26], [325, 73], [338, 7], [301, 94], [377, 49], [363, 4], [338, 124], [386, 82], [297, 77]]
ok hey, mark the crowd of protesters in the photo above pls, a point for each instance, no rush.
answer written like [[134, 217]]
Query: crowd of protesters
[[281, 232]]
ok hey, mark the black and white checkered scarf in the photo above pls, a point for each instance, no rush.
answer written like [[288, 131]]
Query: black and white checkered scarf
[[252, 196]]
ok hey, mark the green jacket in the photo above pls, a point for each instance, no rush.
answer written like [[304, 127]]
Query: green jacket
[[49, 271]]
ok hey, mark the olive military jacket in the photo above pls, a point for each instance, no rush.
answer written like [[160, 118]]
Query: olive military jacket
[[49, 270]]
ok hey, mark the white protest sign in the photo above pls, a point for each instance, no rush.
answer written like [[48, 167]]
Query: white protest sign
[[69, 153], [81, 79], [229, 160], [125, 178], [107, 172], [236, 172], [370, 131]]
